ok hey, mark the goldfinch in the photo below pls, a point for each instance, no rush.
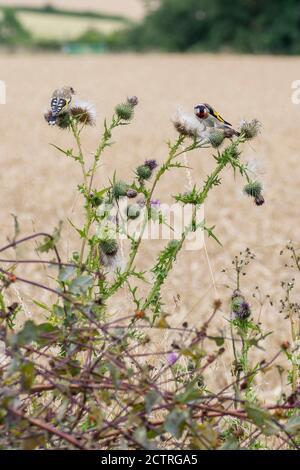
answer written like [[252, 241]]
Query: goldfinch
[[211, 118], [60, 102]]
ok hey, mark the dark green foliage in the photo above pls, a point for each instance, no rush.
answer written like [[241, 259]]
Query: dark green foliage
[[271, 26]]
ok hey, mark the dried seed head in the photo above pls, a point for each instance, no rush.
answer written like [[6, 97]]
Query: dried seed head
[[188, 125], [84, 112], [250, 129]]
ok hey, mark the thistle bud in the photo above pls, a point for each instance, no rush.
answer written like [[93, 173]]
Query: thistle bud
[[109, 246], [253, 189], [124, 111], [239, 306], [216, 138], [259, 200], [133, 101], [144, 172], [152, 164], [119, 189], [133, 211], [131, 193]]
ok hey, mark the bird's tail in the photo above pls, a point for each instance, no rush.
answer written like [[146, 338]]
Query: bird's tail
[[52, 120], [230, 132]]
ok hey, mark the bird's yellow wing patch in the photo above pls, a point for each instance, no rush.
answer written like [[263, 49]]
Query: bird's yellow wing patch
[[217, 115]]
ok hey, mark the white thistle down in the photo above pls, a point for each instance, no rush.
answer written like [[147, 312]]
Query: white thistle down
[[189, 125]]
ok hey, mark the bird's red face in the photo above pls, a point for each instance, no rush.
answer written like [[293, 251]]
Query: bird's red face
[[201, 111]]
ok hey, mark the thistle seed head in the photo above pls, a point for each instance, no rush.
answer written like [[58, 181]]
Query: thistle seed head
[[84, 112], [250, 129], [187, 125]]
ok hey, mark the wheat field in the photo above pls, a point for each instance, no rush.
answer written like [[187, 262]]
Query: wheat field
[[39, 185], [130, 8]]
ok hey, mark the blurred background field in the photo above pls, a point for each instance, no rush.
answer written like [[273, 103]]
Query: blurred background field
[[165, 25], [39, 185]]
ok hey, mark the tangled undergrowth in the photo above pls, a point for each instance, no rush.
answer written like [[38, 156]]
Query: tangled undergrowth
[[82, 379]]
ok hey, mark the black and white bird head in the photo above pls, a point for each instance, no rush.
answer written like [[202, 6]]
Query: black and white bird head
[[202, 111]]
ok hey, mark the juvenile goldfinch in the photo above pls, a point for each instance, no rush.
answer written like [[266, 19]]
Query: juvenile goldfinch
[[211, 118], [60, 102]]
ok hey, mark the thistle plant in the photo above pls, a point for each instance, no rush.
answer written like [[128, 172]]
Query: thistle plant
[[82, 378]]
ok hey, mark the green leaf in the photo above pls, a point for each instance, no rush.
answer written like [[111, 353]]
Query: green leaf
[[151, 398], [42, 305], [206, 438], [28, 334], [27, 375], [140, 435], [81, 284], [67, 273], [190, 394], [263, 419], [230, 444], [219, 340], [32, 442], [46, 333], [16, 226], [175, 422], [50, 242], [115, 374], [293, 425]]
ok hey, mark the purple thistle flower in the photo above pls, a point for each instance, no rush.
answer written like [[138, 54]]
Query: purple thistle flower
[[155, 204], [152, 164], [172, 358]]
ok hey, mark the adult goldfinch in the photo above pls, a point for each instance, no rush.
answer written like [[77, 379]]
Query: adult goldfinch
[[211, 118], [60, 102]]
